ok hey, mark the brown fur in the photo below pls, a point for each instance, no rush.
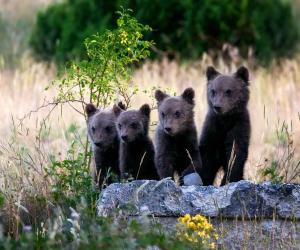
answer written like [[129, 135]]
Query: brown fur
[[176, 143], [227, 123], [104, 141], [136, 147]]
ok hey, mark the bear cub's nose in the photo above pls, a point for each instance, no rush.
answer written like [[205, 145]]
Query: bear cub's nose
[[124, 137], [168, 129], [98, 144], [217, 109]]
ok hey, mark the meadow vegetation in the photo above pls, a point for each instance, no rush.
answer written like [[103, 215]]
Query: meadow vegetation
[[47, 197]]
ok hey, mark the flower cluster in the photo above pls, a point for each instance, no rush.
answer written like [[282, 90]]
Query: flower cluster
[[198, 230], [124, 37]]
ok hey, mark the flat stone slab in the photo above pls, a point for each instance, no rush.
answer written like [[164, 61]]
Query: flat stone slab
[[164, 198]]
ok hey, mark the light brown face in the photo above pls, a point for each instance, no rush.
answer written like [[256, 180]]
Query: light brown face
[[132, 124], [175, 113], [227, 93], [102, 129]]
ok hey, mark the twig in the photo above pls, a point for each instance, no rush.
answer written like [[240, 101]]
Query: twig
[[141, 162], [190, 157], [231, 162]]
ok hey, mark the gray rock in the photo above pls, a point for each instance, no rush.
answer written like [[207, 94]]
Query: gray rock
[[192, 179], [236, 200]]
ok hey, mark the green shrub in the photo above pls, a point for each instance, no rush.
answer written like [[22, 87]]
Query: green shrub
[[107, 69], [61, 29], [272, 172], [72, 180], [284, 163], [186, 27]]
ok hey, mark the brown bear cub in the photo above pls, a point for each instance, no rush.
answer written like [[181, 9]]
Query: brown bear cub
[[136, 148], [176, 138], [102, 133], [225, 135]]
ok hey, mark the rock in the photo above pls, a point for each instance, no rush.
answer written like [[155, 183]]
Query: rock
[[192, 179], [242, 199]]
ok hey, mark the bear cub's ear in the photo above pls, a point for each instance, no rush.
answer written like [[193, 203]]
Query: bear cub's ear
[[243, 74], [117, 110], [159, 95], [90, 109], [121, 105], [145, 110], [188, 95], [211, 73]]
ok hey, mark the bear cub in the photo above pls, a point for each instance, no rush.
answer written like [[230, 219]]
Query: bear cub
[[103, 136], [136, 148], [224, 141], [176, 138]]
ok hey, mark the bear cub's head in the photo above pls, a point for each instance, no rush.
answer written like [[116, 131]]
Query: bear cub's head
[[101, 126], [227, 94], [132, 125], [175, 112]]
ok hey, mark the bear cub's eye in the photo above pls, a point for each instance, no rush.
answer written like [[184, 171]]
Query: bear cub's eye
[[177, 114], [93, 129], [228, 92], [213, 92], [133, 125], [119, 126], [108, 129], [163, 114]]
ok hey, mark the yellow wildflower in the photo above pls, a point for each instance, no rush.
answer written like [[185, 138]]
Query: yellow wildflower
[[212, 245], [197, 229], [192, 225], [216, 236], [123, 36], [186, 218], [201, 234]]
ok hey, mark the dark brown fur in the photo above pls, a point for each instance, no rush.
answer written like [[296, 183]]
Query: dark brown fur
[[176, 136], [104, 140], [227, 123], [136, 148]]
